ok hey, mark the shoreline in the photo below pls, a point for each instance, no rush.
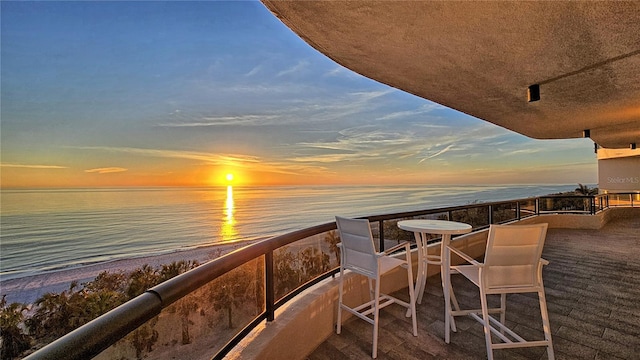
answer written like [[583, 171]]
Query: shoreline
[[28, 289]]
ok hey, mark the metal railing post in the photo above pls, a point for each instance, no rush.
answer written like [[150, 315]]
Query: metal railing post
[[270, 285], [490, 217], [381, 231]]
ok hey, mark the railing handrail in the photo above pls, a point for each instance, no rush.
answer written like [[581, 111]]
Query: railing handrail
[[92, 338]]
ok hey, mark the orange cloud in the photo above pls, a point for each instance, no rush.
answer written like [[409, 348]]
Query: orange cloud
[[107, 170], [33, 166]]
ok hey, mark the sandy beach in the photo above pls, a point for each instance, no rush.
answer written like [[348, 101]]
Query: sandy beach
[[28, 289]]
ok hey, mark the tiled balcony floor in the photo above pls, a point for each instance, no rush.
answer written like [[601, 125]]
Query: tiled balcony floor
[[593, 294]]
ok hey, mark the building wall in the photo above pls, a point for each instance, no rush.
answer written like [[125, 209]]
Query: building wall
[[618, 171]]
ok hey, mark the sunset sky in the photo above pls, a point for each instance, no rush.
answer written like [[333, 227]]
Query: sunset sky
[[183, 93]]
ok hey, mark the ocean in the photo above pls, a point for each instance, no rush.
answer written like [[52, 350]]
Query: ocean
[[51, 229]]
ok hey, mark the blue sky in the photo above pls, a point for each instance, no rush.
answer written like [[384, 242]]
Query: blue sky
[[181, 93]]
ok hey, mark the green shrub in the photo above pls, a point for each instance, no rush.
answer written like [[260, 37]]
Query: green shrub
[[14, 340]]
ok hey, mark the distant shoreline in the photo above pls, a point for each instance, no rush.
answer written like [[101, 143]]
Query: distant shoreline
[[28, 289]]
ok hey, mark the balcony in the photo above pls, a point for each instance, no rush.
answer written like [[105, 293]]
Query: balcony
[[591, 286]]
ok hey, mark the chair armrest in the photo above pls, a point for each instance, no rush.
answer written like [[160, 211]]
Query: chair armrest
[[466, 257], [396, 248], [544, 261]]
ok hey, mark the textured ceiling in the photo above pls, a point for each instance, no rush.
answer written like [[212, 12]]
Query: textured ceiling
[[480, 58]]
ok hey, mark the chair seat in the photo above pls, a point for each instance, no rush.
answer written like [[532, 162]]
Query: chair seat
[[389, 263]]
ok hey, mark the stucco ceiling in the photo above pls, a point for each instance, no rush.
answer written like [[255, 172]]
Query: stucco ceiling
[[480, 58]]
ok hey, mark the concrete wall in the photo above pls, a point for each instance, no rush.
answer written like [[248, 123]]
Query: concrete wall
[[618, 170]]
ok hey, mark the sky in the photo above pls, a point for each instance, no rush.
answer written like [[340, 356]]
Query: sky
[[111, 94]]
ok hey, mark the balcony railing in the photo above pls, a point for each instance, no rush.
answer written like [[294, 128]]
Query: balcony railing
[[206, 311]]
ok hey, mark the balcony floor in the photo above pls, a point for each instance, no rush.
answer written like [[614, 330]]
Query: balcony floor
[[593, 295]]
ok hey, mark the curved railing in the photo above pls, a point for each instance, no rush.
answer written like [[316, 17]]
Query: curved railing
[[181, 300]]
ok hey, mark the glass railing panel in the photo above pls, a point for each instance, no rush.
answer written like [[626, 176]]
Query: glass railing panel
[[620, 200], [527, 208], [601, 202], [394, 235], [504, 212], [201, 323], [566, 204], [403, 235], [302, 261], [434, 216], [476, 216]]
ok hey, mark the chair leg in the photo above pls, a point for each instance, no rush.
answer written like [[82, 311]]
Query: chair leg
[[545, 323], [376, 312], [412, 296], [371, 290], [455, 306], [487, 326], [418, 289], [340, 291], [503, 310]]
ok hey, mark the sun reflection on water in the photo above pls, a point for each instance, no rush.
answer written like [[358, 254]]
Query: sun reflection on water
[[228, 229]]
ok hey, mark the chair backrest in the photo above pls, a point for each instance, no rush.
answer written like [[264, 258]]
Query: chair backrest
[[513, 255], [357, 252]]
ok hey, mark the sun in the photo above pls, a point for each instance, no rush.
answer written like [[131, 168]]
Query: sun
[[229, 177]]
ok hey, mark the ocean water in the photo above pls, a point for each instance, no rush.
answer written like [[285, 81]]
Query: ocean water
[[48, 230]]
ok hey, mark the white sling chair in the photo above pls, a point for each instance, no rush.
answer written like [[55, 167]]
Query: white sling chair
[[512, 264], [358, 254]]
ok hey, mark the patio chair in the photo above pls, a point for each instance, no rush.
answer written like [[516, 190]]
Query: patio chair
[[358, 254], [512, 264]]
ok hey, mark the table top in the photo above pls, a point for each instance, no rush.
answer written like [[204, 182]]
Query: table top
[[434, 226]]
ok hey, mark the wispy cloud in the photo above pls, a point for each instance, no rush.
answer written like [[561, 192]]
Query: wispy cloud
[[422, 110], [301, 65], [326, 158], [239, 120], [313, 110], [437, 153], [28, 166], [253, 71], [338, 70], [217, 159], [255, 163], [107, 170], [357, 143], [524, 151]]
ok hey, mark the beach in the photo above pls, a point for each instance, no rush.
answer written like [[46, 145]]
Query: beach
[[29, 288]]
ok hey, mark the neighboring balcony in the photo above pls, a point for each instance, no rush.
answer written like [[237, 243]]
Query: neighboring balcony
[[278, 298]]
